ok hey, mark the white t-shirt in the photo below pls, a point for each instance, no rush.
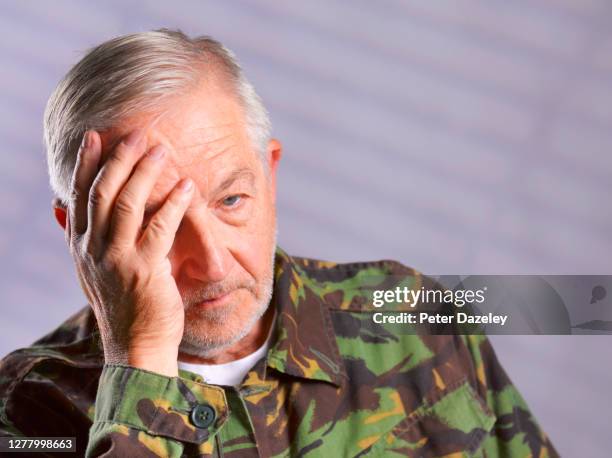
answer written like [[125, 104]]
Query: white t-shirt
[[232, 373]]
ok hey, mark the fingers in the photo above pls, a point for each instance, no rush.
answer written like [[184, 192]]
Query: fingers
[[129, 207], [85, 171], [112, 177], [158, 237]]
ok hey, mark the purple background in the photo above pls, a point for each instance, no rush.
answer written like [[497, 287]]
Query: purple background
[[456, 137]]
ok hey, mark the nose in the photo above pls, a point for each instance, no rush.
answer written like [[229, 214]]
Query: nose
[[207, 258]]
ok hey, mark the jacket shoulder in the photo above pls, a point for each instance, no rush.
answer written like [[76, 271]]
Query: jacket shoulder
[[350, 286], [332, 269]]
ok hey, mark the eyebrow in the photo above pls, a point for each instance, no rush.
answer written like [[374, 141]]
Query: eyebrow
[[234, 176]]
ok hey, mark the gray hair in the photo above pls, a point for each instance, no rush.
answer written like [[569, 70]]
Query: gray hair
[[134, 74]]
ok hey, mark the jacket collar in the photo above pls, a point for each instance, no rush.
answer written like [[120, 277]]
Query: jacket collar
[[305, 344]]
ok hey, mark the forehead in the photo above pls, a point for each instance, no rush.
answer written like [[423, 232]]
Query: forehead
[[204, 117], [193, 125], [204, 133]]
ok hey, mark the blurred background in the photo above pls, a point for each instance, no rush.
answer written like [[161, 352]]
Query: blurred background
[[457, 137]]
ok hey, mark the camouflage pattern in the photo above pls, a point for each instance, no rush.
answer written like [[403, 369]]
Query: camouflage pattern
[[334, 383]]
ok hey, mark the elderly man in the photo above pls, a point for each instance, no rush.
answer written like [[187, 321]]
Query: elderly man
[[201, 337]]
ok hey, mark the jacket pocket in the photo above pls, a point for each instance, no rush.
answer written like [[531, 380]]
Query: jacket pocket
[[456, 422]]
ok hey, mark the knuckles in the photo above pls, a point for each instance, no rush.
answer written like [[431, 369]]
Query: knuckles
[[98, 195], [125, 204], [157, 227], [76, 191]]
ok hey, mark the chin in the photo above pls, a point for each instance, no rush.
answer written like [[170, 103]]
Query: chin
[[209, 331]]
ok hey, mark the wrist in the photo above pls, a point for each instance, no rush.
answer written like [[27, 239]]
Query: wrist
[[163, 366], [160, 362]]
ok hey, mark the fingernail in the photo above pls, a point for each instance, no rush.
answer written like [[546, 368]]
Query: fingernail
[[133, 137], [157, 152], [86, 141], [186, 185]]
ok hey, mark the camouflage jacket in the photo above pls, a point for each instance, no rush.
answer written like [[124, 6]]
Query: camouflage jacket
[[333, 384]]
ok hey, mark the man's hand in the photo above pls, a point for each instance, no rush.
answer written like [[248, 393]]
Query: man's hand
[[123, 269]]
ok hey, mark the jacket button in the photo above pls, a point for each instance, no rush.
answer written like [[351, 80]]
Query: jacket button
[[202, 415]]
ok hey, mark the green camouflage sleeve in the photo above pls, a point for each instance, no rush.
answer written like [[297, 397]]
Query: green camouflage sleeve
[[516, 432], [140, 413]]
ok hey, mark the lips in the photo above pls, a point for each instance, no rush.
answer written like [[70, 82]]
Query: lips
[[217, 300]]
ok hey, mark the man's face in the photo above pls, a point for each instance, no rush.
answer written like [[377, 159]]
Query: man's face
[[223, 253]]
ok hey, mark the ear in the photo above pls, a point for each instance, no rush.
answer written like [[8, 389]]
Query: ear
[[273, 157], [60, 212]]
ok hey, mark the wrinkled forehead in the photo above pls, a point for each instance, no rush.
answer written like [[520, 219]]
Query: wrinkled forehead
[[204, 133], [208, 116]]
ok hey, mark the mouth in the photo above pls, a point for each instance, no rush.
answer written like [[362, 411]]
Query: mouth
[[215, 301]]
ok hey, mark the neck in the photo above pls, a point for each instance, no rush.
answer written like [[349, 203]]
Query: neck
[[245, 346]]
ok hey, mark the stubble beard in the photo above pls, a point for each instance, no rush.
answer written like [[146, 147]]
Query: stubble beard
[[223, 326]]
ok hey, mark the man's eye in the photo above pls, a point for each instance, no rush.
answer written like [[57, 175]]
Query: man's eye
[[230, 201]]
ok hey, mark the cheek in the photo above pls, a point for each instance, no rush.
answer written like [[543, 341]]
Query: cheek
[[251, 244]]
